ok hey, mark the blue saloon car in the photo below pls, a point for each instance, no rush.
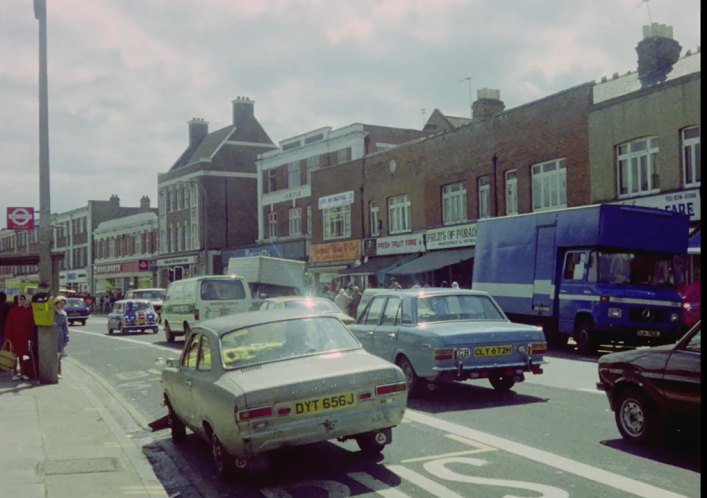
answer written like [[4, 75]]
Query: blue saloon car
[[76, 310], [444, 334], [133, 315]]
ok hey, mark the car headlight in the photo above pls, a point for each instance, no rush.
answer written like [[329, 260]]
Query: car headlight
[[615, 312], [674, 317], [522, 349]]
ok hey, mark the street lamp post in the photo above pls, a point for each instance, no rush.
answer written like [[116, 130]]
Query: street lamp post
[[46, 344]]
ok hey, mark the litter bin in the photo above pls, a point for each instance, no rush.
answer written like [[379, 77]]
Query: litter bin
[[43, 309]]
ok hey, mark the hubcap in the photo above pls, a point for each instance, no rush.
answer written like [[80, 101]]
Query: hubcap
[[632, 417]]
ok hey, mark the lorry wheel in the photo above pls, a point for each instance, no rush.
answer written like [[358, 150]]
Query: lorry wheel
[[502, 382], [635, 418], [585, 337], [168, 332], [411, 378]]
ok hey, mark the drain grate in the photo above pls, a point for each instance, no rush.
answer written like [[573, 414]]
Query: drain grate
[[80, 466]]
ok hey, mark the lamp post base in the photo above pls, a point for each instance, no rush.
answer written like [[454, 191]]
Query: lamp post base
[[48, 359]]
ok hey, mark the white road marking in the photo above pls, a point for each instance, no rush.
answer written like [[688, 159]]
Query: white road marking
[[566, 464], [423, 482], [374, 484], [478, 448]]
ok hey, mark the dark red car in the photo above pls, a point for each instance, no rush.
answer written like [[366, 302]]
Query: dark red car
[[653, 388], [691, 299]]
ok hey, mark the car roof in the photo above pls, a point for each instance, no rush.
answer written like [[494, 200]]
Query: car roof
[[133, 301], [427, 291], [282, 299], [151, 289], [252, 318]]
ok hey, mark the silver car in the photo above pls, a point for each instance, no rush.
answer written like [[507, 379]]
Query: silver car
[[442, 335], [257, 381]]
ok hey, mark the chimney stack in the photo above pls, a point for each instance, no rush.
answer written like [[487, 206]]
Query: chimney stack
[[242, 110], [657, 53], [144, 202], [487, 104], [198, 129], [114, 200]]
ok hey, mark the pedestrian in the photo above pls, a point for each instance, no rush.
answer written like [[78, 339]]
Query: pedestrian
[[4, 311], [455, 285], [60, 331], [355, 299], [19, 329], [394, 284], [343, 300]]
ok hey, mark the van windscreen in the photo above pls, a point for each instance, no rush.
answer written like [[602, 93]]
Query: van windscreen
[[222, 290]]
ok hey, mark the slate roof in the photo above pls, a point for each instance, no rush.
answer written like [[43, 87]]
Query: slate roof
[[206, 148]]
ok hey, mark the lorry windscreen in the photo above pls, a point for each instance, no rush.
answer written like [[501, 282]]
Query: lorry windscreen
[[635, 268]]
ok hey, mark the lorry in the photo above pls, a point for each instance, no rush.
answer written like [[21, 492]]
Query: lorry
[[269, 276], [600, 273]]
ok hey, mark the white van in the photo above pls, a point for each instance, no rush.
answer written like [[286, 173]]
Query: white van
[[194, 299]]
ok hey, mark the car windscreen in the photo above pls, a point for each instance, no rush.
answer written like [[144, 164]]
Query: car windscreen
[[74, 302], [155, 295], [138, 306], [222, 290], [283, 340], [457, 307]]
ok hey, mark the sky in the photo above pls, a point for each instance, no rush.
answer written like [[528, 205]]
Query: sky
[[125, 76]]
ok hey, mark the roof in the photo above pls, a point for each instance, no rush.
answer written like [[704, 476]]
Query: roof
[[252, 318], [206, 148]]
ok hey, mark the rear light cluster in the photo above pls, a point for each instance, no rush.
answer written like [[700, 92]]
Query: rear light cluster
[[253, 413], [398, 387], [537, 348], [444, 354]]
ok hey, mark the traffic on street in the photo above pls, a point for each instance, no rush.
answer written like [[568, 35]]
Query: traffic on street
[[552, 436]]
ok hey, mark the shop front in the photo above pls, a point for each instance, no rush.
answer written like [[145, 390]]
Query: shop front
[[325, 261], [115, 279]]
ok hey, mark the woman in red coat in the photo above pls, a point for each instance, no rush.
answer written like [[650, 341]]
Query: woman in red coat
[[19, 328]]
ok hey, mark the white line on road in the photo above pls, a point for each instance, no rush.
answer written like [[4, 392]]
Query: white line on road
[[566, 464]]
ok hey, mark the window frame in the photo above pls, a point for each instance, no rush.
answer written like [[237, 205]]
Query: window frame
[[691, 157], [631, 158], [483, 185], [272, 225], [295, 220], [511, 191], [454, 208], [399, 208], [374, 218], [542, 175], [336, 222]]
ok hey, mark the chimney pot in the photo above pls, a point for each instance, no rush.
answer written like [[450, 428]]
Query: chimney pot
[[488, 103]]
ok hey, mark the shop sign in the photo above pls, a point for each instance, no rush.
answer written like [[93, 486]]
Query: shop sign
[[456, 236], [335, 251], [100, 269], [286, 195], [184, 260], [369, 247], [685, 201], [400, 244], [336, 200], [274, 251]]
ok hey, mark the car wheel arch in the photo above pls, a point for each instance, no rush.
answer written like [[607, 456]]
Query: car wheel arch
[[621, 385]]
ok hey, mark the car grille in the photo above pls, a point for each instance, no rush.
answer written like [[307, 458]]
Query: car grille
[[646, 315]]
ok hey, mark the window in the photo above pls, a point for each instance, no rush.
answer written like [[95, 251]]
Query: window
[[296, 221], [391, 312], [549, 185], [272, 225], [374, 211], [453, 203], [172, 200], [512, 191], [637, 167], [312, 164], [190, 353], [343, 155], [574, 266], [483, 192], [399, 214], [293, 175], [272, 180], [337, 222], [309, 220], [375, 311], [691, 156]]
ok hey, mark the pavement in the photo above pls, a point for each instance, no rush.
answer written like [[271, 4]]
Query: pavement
[[71, 439]]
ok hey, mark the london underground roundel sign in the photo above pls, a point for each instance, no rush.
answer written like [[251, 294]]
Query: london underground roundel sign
[[20, 218]]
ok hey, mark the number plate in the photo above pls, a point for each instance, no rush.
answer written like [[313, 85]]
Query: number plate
[[317, 405], [648, 333], [504, 350], [74, 313]]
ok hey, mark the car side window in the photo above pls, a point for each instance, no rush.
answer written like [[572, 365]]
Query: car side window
[[391, 312], [204, 355], [695, 343], [375, 310], [189, 360]]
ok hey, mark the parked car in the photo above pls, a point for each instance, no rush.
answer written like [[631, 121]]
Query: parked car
[[154, 295], [260, 380], [653, 388], [133, 315], [76, 310], [691, 295], [443, 335], [307, 303]]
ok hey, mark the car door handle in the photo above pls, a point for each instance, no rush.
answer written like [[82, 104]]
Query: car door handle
[[392, 335], [188, 383], [370, 333]]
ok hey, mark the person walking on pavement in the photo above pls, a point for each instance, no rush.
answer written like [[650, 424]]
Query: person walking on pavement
[[19, 329], [355, 299], [4, 311], [60, 330]]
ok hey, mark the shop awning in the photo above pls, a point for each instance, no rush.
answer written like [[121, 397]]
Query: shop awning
[[378, 264], [434, 260], [326, 267], [694, 243]]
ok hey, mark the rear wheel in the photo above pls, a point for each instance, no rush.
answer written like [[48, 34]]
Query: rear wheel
[[224, 463], [411, 378], [635, 418], [110, 330], [502, 382], [585, 337], [71, 322], [155, 330], [177, 428], [83, 322], [120, 329], [168, 332]]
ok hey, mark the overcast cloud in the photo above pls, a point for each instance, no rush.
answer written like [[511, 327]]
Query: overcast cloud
[[125, 76]]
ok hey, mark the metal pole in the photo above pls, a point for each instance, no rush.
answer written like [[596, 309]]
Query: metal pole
[[46, 344]]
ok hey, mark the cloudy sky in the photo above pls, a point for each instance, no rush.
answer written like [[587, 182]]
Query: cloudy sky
[[125, 76]]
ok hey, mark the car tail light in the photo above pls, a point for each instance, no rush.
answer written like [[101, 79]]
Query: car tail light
[[537, 348], [282, 412], [398, 387], [364, 396], [196, 313], [253, 413], [444, 354]]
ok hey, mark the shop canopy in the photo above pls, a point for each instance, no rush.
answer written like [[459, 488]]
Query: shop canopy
[[694, 243], [434, 260], [378, 264]]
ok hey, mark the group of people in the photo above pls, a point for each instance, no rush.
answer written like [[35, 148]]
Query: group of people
[[17, 327], [347, 298]]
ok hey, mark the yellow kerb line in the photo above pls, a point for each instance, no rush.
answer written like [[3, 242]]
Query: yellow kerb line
[[479, 448]]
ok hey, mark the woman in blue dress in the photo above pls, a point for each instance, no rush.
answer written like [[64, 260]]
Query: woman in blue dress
[[60, 330]]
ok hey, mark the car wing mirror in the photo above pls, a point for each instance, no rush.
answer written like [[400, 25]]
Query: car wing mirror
[[166, 362]]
